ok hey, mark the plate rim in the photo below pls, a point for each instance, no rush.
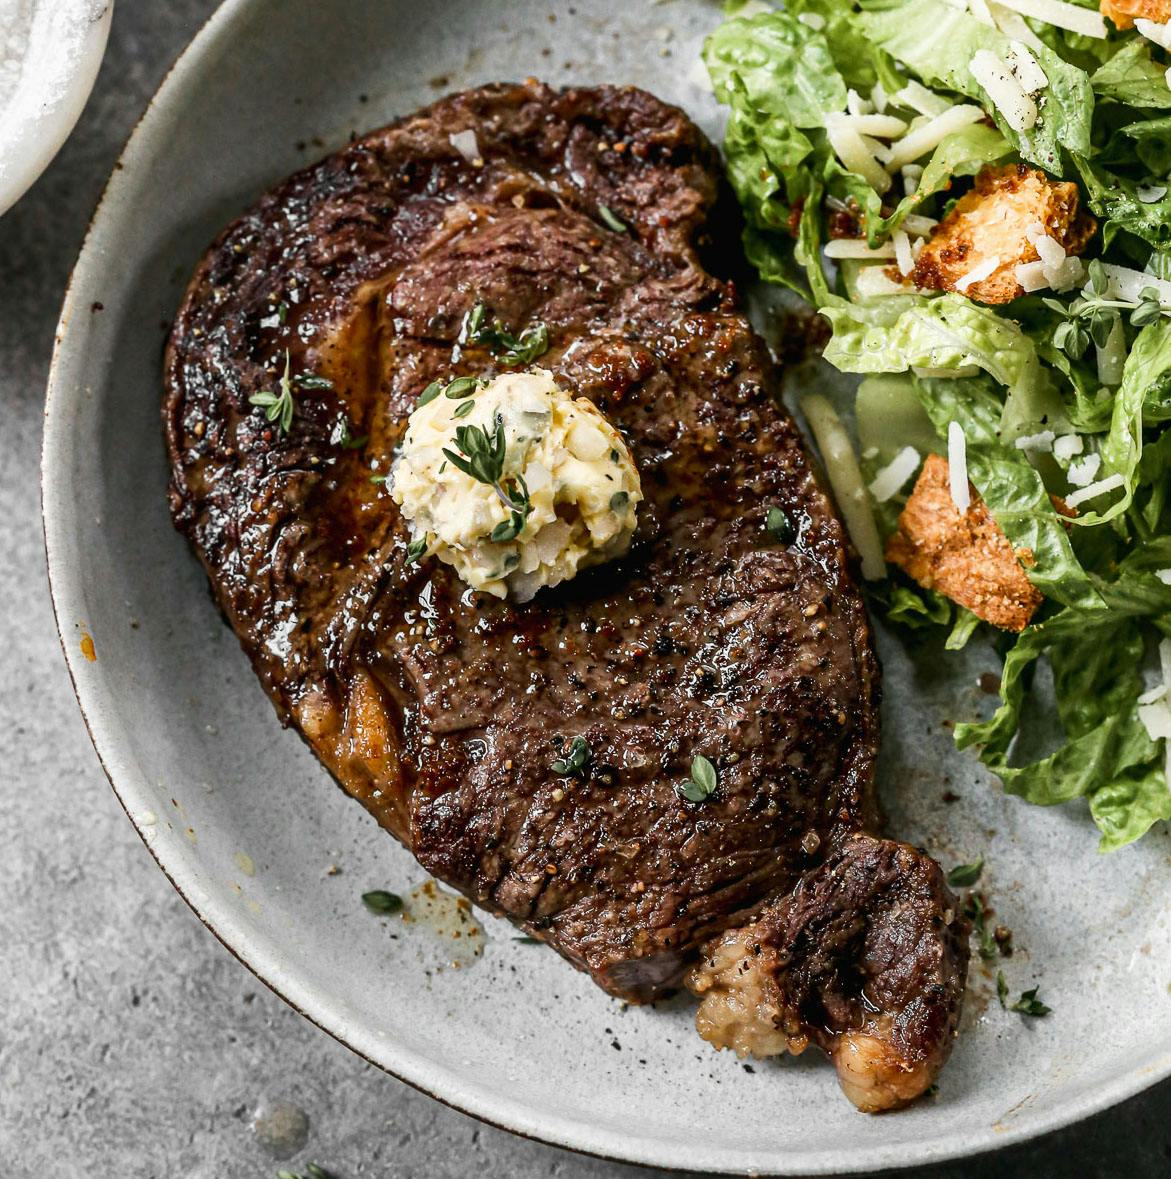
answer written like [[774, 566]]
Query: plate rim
[[435, 1080]]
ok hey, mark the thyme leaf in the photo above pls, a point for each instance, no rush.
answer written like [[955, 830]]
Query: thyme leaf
[[965, 875], [278, 407], [1029, 1004], [779, 526], [975, 911], [511, 350], [382, 902], [459, 388], [702, 783], [313, 381], [574, 763], [482, 459], [610, 220]]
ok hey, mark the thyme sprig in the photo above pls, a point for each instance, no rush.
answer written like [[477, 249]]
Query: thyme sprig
[[278, 407], [1091, 316], [975, 912], [511, 350], [1027, 1004], [482, 459]]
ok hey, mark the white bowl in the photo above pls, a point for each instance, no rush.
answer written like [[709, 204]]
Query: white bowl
[[59, 44], [244, 820]]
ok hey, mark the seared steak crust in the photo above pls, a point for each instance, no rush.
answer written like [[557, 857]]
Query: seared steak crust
[[866, 958], [442, 710]]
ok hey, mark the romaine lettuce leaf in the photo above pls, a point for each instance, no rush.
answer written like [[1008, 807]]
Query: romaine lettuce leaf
[[1152, 144], [859, 62], [786, 67], [896, 333], [1116, 199], [1126, 807], [1095, 654], [1146, 378], [1132, 78], [937, 40], [917, 608]]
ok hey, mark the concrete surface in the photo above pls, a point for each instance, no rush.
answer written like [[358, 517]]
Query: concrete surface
[[131, 1043]]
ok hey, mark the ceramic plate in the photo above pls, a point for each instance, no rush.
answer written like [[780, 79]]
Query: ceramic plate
[[274, 858]]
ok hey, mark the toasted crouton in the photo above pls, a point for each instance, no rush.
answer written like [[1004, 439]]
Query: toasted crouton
[[1124, 12], [966, 558], [993, 221]]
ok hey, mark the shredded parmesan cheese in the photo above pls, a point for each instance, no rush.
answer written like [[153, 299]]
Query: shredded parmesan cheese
[[978, 273], [873, 283], [1032, 276], [1093, 490], [1068, 445], [1013, 25], [927, 136], [884, 126], [1151, 193], [1081, 473], [1039, 443], [1048, 250], [1027, 69], [1153, 31], [919, 98], [856, 247], [1129, 284], [957, 467], [849, 147], [1004, 91], [1111, 356], [919, 226], [903, 256], [893, 477], [856, 104], [1086, 21], [1164, 575]]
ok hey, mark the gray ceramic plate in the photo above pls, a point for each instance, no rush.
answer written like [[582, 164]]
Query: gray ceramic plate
[[246, 824]]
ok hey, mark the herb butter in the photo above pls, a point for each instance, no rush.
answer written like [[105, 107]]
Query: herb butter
[[514, 482]]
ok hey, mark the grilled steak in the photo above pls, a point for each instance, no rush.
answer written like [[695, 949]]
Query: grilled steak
[[443, 711]]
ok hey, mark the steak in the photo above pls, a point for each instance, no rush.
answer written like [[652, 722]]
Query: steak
[[598, 213]]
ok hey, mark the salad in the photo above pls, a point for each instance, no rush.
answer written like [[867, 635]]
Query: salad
[[976, 195]]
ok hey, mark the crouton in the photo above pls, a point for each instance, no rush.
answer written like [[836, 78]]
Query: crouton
[[966, 558], [1124, 12], [993, 221]]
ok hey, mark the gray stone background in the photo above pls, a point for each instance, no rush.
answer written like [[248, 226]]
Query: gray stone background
[[131, 1043]]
